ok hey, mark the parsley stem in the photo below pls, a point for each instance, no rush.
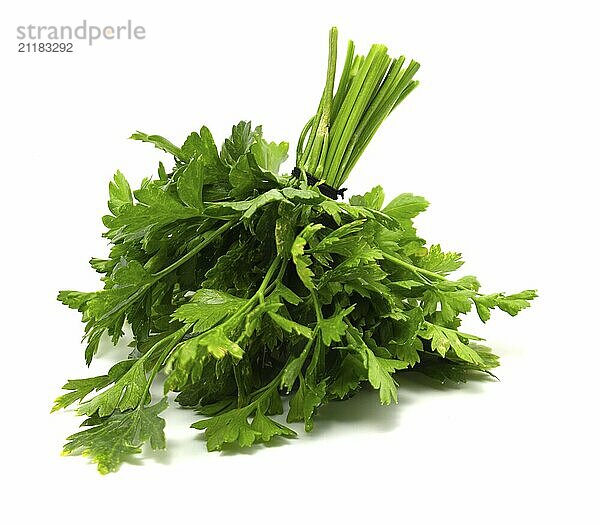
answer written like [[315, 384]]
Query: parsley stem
[[369, 89], [313, 157], [157, 276], [317, 306], [312, 366], [173, 339], [413, 268], [200, 246], [267, 390], [257, 295], [302, 137], [239, 381], [423, 272]]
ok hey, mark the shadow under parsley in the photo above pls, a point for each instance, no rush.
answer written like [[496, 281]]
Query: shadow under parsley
[[363, 411]]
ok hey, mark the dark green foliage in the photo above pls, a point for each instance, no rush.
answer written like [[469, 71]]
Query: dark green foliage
[[243, 300], [243, 285]]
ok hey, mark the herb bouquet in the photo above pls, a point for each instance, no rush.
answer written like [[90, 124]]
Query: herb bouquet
[[242, 285]]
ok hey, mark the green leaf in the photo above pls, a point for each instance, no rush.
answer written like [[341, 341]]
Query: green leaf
[[160, 143], [437, 261], [452, 303], [333, 328], [219, 345], [246, 178], [407, 352], [238, 144], [443, 339], [346, 240], [333, 209], [128, 392], [511, 304], [378, 368], [383, 218], [270, 155], [281, 291], [372, 199], [444, 371], [119, 193], [305, 402], [79, 389], [379, 373], [266, 428], [201, 145], [75, 300], [207, 308], [262, 200], [409, 284], [350, 374], [110, 441], [157, 208], [302, 261], [230, 427], [408, 329], [484, 304], [185, 364], [463, 351], [254, 318], [469, 281], [406, 206], [292, 372], [130, 273], [249, 207], [190, 182], [303, 195], [440, 343], [291, 326]]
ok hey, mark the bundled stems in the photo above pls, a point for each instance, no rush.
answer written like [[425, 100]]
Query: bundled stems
[[369, 89]]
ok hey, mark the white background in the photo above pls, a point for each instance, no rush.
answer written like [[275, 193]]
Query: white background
[[501, 137]]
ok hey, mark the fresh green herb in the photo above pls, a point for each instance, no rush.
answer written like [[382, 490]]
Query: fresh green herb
[[243, 286]]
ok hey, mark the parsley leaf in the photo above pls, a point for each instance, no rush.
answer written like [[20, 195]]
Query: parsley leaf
[[109, 441]]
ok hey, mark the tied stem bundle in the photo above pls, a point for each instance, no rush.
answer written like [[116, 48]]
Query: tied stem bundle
[[369, 89]]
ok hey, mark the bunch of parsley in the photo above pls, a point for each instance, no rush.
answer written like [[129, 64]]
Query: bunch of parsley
[[243, 286]]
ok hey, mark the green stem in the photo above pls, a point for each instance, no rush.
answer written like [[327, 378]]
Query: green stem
[[369, 89], [200, 246], [413, 268], [458, 332], [317, 306], [174, 338], [423, 272], [312, 366], [237, 373], [303, 355], [157, 276], [345, 79], [266, 390], [257, 295], [300, 146], [313, 156], [371, 123], [349, 114]]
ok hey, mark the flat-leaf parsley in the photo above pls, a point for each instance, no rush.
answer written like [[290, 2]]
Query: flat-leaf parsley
[[243, 285]]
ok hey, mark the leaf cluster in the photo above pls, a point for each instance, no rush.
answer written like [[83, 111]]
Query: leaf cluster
[[243, 286]]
